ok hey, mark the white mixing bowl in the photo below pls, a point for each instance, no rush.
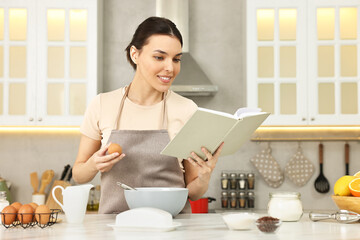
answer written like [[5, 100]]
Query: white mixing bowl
[[169, 199]]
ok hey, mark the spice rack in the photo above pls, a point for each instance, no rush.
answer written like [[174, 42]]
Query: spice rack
[[237, 190]]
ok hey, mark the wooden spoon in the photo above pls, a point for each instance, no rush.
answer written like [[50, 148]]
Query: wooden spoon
[[321, 183], [34, 180], [45, 180]]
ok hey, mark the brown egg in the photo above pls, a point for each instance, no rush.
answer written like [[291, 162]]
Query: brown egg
[[9, 215], [34, 205], [114, 148], [26, 214], [42, 214], [16, 205]]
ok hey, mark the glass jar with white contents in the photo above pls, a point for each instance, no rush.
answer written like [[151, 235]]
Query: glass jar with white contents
[[286, 206]]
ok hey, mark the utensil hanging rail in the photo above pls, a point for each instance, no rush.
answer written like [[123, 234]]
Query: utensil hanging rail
[[318, 139], [315, 134]]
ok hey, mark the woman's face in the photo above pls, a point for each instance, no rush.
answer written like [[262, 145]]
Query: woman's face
[[158, 62]]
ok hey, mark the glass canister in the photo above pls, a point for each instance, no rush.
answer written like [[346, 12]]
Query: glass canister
[[224, 181], [224, 199], [251, 180], [286, 206], [242, 181], [233, 180]]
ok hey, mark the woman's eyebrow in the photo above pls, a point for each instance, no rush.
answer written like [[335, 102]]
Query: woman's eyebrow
[[162, 52]]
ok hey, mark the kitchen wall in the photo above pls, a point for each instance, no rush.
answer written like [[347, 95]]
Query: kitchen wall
[[217, 42]]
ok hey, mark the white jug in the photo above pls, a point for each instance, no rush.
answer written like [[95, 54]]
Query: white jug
[[75, 199]]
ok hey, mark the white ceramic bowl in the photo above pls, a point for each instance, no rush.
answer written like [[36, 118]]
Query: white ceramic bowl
[[171, 200], [240, 221]]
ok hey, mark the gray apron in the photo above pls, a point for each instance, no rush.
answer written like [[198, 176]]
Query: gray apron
[[143, 165]]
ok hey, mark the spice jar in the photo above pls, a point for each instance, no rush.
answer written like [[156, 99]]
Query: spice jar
[[224, 199], [224, 181], [251, 180], [233, 199], [242, 181], [286, 206], [250, 200], [242, 199], [233, 181]]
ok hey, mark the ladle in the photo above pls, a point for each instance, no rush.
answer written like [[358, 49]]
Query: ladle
[[124, 186], [342, 216], [321, 183]]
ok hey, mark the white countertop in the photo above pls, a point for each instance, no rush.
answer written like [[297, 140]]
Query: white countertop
[[194, 226]]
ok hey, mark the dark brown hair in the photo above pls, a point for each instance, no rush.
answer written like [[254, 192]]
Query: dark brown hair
[[151, 26]]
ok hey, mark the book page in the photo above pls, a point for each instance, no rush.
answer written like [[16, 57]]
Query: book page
[[245, 111], [218, 112]]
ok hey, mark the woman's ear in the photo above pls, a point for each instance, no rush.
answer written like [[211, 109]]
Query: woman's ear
[[134, 53]]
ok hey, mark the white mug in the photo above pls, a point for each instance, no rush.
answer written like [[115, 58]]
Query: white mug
[[75, 199]]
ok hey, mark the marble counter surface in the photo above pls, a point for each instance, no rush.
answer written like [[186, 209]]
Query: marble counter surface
[[194, 226]]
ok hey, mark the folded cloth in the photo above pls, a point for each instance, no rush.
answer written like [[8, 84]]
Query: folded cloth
[[268, 167], [299, 169]]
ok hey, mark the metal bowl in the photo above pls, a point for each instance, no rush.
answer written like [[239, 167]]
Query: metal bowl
[[171, 200]]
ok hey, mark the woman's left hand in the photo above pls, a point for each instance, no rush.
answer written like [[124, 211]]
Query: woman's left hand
[[205, 168]]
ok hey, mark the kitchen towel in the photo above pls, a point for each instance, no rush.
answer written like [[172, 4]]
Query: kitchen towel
[[299, 169], [268, 167]]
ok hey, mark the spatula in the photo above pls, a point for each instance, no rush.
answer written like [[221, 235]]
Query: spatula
[[45, 180], [34, 180], [321, 183]]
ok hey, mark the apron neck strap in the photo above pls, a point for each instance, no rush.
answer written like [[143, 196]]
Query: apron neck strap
[[118, 117]]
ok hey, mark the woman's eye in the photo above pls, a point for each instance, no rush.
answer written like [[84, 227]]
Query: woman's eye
[[158, 58], [177, 60]]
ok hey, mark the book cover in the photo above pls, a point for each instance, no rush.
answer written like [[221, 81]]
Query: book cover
[[209, 128]]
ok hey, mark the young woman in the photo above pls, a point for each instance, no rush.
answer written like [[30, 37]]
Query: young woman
[[142, 118]]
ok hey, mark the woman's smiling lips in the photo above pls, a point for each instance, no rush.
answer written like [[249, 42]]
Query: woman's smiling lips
[[164, 79]]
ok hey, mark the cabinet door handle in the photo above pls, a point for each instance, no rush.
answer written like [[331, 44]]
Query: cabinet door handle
[[312, 119], [303, 119], [40, 119], [31, 119]]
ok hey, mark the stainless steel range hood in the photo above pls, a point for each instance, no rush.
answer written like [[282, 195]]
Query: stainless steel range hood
[[191, 81]]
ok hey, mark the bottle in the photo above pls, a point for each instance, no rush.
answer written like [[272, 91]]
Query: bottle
[[233, 200], [3, 187], [242, 181], [224, 181], [224, 199], [251, 181], [250, 200], [3, 202], [286, 206], [242, 199], [233, 181]]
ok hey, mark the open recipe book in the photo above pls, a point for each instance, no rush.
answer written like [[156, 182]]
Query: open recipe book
[[209, 128]]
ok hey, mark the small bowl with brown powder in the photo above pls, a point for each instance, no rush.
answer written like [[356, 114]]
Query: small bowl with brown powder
[[268, 224]]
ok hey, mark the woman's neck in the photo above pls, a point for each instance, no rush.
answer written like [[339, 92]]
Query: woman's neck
[[144, 94]]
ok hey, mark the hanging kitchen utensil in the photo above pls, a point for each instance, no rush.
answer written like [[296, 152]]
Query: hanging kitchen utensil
[[342, 216], [268, 167], [299, 169], [347, 158], [34, 180], [321, 183]]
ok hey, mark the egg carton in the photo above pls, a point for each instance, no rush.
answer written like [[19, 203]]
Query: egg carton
[[29, 216]]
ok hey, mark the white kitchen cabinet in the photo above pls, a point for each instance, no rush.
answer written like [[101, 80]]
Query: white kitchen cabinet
[[302, 61], [48, 60]]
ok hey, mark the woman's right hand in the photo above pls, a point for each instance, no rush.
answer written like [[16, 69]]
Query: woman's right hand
[[104, 162]]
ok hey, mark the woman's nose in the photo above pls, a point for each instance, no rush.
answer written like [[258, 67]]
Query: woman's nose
[[169, 65]]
